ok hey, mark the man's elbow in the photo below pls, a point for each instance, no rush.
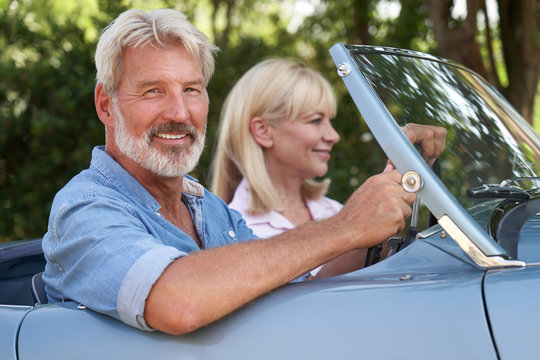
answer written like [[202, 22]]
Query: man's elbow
[[182, 326], [176, 322]]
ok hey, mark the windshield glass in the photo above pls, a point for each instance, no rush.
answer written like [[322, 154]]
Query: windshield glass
[[487, 141]]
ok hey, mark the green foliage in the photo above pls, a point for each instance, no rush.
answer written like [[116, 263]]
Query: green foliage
[[47, 114]]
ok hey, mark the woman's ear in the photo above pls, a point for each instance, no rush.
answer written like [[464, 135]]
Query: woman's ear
[[261, 132], [103, 104]]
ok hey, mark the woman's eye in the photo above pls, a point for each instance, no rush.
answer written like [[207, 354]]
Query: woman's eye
[[315, 121]]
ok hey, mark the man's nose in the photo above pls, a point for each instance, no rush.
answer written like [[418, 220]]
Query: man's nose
[[177, 107]]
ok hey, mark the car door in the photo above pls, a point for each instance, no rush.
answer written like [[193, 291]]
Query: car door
[[512, 304], [513, 298]]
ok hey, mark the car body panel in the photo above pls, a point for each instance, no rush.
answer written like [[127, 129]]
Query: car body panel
[[338, 318], [529, 240], [296, 320], [11, 318], [513, 306]]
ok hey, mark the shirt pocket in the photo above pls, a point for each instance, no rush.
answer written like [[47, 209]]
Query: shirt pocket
[[225, 237]]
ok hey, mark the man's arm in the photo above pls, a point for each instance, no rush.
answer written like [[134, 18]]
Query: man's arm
[[202, 287]]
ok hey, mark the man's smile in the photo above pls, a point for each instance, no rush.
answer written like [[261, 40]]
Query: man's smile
[[171, 136]]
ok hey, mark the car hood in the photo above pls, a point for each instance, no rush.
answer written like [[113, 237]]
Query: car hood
[[491, 153]]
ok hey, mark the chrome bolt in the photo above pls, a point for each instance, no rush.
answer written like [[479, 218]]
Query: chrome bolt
[[343, 69], [411, 181]]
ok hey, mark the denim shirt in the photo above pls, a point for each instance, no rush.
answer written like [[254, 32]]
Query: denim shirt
[[107, 243]]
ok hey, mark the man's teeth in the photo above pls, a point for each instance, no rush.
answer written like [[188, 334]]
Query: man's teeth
[[170, 136]]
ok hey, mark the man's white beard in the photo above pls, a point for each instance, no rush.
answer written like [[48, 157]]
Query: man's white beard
[[173, 162]]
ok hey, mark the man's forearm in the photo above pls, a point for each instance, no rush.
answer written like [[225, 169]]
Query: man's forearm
[[205, 286], [202, 287], [350, 261]]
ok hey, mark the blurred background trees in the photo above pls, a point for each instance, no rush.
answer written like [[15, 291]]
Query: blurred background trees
[[48, 124]]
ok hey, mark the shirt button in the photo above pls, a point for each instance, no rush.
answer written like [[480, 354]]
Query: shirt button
[[232, 234]]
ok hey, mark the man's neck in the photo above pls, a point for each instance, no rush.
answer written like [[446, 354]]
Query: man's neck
[[166, 191]]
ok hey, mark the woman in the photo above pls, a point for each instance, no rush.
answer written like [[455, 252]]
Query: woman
[[275, 137]]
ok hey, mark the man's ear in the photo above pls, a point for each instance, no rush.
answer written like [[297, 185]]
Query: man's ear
[[261, 132], [103, 104]]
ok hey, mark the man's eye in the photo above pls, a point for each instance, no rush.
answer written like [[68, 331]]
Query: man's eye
[[153, 91]]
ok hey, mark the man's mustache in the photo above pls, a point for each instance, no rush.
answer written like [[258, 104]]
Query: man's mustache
[[174, 127]]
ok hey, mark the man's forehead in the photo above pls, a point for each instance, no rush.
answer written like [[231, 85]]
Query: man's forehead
[[155, 50], [144, 63]]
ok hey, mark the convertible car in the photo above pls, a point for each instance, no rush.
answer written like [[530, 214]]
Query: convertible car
[[463, 284]]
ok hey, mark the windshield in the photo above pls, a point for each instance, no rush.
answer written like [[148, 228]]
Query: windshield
[[487, 141]]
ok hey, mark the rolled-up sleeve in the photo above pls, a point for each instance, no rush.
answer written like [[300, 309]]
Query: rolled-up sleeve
[[102, 255], [139, 281]]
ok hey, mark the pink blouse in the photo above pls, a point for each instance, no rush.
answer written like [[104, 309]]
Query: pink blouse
[[272, 223]]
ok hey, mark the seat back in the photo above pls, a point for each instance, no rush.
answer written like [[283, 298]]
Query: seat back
[[19, 261], [38, 289]]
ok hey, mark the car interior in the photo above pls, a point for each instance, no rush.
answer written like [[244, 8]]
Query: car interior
[[18, 266]]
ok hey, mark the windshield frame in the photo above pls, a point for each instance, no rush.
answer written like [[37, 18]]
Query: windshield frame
[[451, 215]]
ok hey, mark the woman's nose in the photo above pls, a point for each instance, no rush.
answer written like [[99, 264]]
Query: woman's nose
[[330, 134]]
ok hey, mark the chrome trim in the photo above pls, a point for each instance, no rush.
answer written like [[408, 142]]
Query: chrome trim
[[429, 231], [472, 250]]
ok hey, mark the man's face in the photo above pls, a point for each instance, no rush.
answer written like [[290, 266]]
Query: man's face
[[160, 110]]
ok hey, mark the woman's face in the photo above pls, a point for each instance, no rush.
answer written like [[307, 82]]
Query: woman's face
[[301, 147]]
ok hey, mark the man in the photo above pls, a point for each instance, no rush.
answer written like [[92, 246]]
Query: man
[[120, 232]]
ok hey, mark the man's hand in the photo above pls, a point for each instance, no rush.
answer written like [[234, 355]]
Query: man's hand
[[378, 209], [431, 139]]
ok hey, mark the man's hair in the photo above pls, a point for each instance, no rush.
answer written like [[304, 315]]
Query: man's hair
[[277, 90], [136, 28]]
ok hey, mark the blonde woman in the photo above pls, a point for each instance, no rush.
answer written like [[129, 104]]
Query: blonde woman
[[276, 136]]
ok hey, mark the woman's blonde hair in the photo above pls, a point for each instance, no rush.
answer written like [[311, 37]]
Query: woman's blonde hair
[[136, 28], [276, 90]]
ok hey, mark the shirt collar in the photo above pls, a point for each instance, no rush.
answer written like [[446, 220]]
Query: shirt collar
[[320, 209], [122, 179], [240, 201]]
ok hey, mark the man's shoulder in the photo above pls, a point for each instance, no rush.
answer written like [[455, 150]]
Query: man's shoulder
[[82, 187]]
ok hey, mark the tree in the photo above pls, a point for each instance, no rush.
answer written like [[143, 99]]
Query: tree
[[48, 119], [47, 115], [519, 28], [520, 35]]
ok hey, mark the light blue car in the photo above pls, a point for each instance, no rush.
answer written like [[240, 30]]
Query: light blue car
[[466, 285]]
